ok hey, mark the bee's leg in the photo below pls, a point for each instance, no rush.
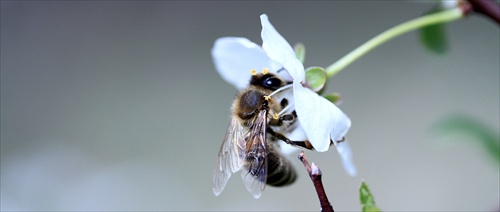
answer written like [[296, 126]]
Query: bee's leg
[[339, 141], [290, 118], [305, 144], [279, 120], [284, 103]]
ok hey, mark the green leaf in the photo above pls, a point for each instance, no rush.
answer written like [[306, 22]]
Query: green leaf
[[333, 97], [300, 51], [315, 78], [434, 37], [461, 125], [366, 198]]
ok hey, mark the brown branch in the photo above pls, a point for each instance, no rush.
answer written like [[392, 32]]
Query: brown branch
[[489, 8], [315, 174]]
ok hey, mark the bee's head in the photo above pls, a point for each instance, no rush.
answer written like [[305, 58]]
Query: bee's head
[[268, 81]]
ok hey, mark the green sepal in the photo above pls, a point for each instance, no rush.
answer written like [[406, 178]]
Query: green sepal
[[300, 51], [366, 199], [335, 98], [433, 37], [315, 78]]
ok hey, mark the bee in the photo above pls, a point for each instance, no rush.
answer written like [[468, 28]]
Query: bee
[[251, 138]]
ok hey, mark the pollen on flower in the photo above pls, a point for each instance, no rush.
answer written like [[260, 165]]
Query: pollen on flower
[[265, 70], [253, 72]]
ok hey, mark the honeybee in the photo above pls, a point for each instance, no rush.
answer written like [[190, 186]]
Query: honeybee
[[251, 138]]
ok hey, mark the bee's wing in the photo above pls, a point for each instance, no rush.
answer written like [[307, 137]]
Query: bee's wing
[[231, 154], [255, 176]]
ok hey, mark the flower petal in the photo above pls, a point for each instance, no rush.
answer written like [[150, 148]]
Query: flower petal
[[320, 119], [235, 57], [278, 49], [346, 155]]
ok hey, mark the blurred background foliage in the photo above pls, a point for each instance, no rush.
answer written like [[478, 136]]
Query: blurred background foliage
[[462, 128]]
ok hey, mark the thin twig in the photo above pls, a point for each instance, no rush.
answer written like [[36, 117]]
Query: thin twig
[[315, 174]]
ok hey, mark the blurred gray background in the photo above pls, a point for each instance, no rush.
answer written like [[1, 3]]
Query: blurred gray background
[[117, 106]]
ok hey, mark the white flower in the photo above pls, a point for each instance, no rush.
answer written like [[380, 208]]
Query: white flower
[[320, 119]]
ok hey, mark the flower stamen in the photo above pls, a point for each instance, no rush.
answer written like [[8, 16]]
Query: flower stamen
[[281, 89], [265, 70], [285, 109]]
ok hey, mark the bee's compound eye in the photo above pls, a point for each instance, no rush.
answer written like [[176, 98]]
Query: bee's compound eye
[[272, 83]]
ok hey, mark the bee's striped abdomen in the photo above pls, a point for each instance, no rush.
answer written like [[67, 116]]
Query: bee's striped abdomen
[[280, 171]]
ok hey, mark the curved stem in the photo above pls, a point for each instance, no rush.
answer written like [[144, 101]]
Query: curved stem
[[435, 18]]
